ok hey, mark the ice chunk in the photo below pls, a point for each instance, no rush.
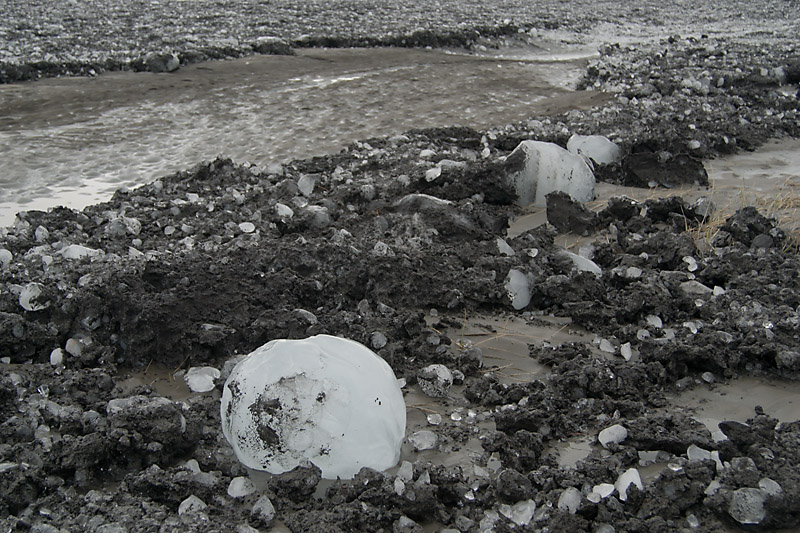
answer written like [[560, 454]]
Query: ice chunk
[[325, 399], [770, 486], [570, 500], [192, 511], [31, 299], [747, 506], [306, 184], [283, 211], [423, 440], [247, 227], [522, 512], [406, 471], [537, 168], [612, 434], [240, 487], [201, 378], [435, 380], [625, 480], [57, 357], [263, 510], [504, 248], [5, 257], [583, 264], [518, 288], [604, 490], [76, 251], [599, 149]]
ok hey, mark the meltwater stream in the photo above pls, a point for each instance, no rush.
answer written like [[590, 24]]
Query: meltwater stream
[[75, 141]]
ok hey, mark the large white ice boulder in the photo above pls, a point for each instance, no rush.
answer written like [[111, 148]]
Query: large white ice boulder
[[537, 168], [599, 149], [326, 399]]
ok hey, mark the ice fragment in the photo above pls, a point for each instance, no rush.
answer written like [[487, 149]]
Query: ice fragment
[[423, 440], [599, 149], [5, 257], [30, 298], [263, 510], [625, 480], [201, 379], [570, 500], [435, 380], [504, 248], [747, 506], [57, 357], [325, 399], [537, 168], [612, 434], [240, 487], [518, 289]]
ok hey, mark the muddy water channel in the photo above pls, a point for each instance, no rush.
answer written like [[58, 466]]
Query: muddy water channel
[[75, 141]]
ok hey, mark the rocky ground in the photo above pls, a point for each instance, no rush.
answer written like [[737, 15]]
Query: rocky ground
[[216, 260]]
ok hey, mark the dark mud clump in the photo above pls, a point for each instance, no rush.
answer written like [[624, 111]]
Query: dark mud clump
[[209, 263]]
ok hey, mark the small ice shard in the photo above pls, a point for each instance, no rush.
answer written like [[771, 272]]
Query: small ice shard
[[5, 257], [247, 227], [328, 400], [423, 440], [625, 480], [522, 512], [718, 291], [626, 351], [426, 153], [306, 184], [696, 453], [192, 511], [694, 288], [518, 288], [41, 234], [598, 148], [582, 263], [435, 380], [76, 251], [31, 299], [283, 211], [654, 322], [406, 471], [263, 511], [747, 506], [537, 168], [73, 347], [691, 263], [692, 521], [504, 248], [433, 173], [399, 486], [613, 434], [240, 487], [607, 346], [604, 490], [770, 486], [570, 500], [378, 340], [201, 378], [57, 357], [434, 419]]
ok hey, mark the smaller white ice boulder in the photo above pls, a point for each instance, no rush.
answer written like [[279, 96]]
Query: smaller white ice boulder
[[518, 288], [626, 479], [536, 169], [435, 380], [599, 149], [328, 400], [612, 434], [201, 378]]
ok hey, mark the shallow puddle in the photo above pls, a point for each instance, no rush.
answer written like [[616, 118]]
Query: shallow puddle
[[737, 399]]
